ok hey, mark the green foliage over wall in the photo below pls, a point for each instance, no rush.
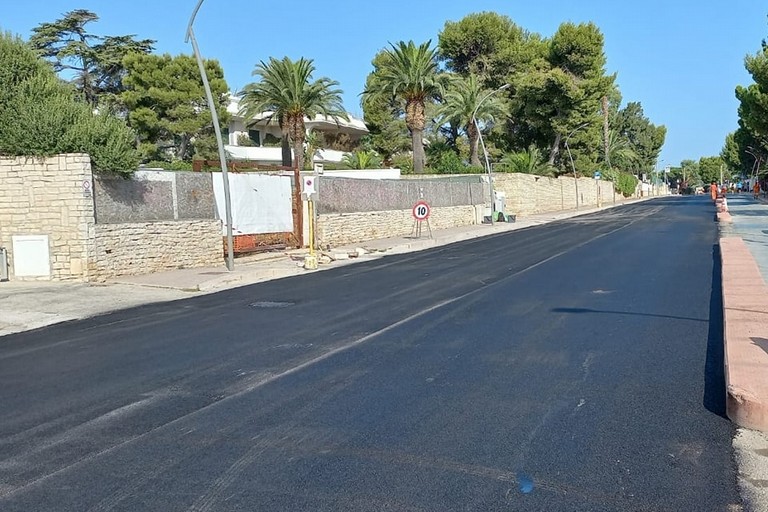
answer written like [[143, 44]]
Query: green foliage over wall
[[41, 116]]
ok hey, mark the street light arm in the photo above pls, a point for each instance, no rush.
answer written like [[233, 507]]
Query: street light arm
[[582, 125], [480, 103], [192, 20]]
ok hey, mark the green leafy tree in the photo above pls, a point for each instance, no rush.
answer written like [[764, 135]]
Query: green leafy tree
[[285, 88], [736, 157], [410, 74], [753, 108], [362, 160], [644, 138], [744, 152], [689, 168], [490, 46], [563, 96], [461, 101], [168, 108], [40, 115], [448, 162], [747, 149], [95, 61], [709, 169]]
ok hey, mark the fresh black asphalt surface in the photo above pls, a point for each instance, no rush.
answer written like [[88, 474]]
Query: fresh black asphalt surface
[[567, 367]]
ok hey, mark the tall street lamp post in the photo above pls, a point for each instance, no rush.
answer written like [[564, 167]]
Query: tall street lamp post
[[485, 152], [755, 166], [570, 157], [215, 119]]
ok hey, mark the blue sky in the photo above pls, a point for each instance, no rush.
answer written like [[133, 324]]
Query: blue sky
[[681, 59]]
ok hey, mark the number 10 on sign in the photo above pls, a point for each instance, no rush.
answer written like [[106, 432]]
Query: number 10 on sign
[[421, 211]]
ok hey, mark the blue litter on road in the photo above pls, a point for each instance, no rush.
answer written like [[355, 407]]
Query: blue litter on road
[[525, 483]]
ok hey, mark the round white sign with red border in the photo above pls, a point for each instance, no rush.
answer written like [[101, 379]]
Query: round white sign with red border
[[421, 210]]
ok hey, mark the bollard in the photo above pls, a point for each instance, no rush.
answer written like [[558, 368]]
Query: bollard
[[3, 264]]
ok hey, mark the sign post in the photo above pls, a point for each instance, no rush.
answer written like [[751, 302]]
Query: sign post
[[597, 182], [308, 183], [420, 212]]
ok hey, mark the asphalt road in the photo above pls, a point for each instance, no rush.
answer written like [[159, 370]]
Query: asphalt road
[[572, 366]]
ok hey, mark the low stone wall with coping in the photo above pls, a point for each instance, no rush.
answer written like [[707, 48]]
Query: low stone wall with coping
[[336, 229], [146, 247]]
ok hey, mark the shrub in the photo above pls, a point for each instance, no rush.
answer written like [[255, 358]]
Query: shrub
[[175, 165], [624, 182], [41, 116], [449, 162], [403, 162], [362, 160]]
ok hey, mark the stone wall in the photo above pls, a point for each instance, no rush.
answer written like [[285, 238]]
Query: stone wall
[[349, 195], [146, 247], [154, 196], [48, 223], [337, 229], [527, 194], [48, 197]]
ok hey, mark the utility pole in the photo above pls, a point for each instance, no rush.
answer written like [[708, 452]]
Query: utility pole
[[485, 152], [219, 141]]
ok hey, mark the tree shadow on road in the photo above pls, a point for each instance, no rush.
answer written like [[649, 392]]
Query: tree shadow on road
[[631, 313], [714, 371]]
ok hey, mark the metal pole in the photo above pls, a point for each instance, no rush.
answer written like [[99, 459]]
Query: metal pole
[[490, 178], [575, 179], [215, 119], [485, 152]]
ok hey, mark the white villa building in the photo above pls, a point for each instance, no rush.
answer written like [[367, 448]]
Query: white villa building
[[260, 127]]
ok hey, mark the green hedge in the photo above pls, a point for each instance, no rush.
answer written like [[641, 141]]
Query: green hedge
[[41, 116]]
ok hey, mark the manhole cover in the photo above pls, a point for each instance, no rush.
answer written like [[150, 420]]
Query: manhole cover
[[267, 304]]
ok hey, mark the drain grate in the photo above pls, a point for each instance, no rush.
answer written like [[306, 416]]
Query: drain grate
[[268, 304]]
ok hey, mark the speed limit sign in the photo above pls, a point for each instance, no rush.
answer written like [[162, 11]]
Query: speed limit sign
[[421, 210]]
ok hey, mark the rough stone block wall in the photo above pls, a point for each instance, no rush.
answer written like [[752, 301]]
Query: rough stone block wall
[[154, 196], [349, 195], [145, 247], [527, 194], [53, 197], [337, 229]]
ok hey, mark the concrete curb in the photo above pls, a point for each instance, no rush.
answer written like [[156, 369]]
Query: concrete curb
[[745, 326], [724, 217]]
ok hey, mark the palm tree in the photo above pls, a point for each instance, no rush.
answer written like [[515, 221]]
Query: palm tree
[[285, 90], [362, 160], [618, 152], [530, 161], [409, 73], [459, 105]]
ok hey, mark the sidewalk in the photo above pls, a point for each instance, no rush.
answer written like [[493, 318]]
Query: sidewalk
[[30, 305], [744, 253]]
